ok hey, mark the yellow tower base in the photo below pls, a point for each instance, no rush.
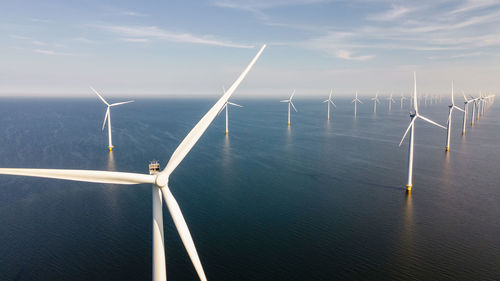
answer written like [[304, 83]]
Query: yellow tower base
[[111, 148], [227, 132], [447, 148], [408, 188], [288, 124], [463, 133]]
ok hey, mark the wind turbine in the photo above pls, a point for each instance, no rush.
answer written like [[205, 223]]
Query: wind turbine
[[290, 103], [159, 180], [402, 99], [355, 101], [375, 101], [474, 103], [328, 101], [391, 100], [225, 107], [108, 116], [466, 108], [450, 110], [411, 128]]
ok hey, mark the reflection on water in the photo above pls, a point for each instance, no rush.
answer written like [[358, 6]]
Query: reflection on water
[[226, 150], [111, 162]]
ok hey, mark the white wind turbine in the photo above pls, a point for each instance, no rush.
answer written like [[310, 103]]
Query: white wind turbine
[[466, 108], [225, 107], [355, 101], [328, 101], [450, 110], [474, 105], [290, 103], [108, 116], [375, 101], [411, 128], [402, 99], [391, 101], [159, 180]]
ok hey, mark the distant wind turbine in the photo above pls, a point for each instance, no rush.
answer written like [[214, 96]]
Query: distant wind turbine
[[290, 103], [328, 101], [225, 107], [108, 116], [402, 99], [466, 108], [159, 179], [375, 101], [355, 101], [411, 128], [450, 111], [391, 100]]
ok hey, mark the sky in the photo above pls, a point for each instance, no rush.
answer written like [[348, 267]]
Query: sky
[[194, 48]]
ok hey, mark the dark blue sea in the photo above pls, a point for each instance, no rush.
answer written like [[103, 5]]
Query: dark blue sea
[[317, 201]]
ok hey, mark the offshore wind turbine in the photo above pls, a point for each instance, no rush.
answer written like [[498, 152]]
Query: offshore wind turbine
[[355, 101], [474, 102], [411, 128], [466, 108], [402, 99], [450, 111], [391, 100], [225, 107], [108, 116], [290, 103], [375, 101], [159, 180], [328, 101]]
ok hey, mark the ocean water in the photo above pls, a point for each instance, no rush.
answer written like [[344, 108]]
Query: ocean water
[[320, 200]]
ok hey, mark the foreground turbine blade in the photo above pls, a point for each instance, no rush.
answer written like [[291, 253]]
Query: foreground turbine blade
[[291, 103], [118, 103], [198, 130], [430, 121], [105, 118], [103, 100], [183, 230], [82, 175], [407, 130]]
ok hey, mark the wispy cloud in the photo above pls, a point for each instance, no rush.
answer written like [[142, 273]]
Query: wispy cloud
[[395, 12], [135, 40], [49, 52], [153, 32], [347, 55]]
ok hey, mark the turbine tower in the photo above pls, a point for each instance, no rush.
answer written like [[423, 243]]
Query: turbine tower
[[290, 103], [411, 128], [108, 116], [375, 101], [159, 180], [355, 101], [450, 111], [402, 99], [328, 101]]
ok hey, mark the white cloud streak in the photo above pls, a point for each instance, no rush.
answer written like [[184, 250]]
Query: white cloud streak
[[155, 33]]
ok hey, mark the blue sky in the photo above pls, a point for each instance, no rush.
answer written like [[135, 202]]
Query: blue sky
[[193, 48]]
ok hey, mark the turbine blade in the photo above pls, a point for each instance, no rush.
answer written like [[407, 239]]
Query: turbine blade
[[293, 93], [333, 103], [458, 108], [221, 109], [183, 230], [82, 175], [415, 101], [284, 100], [118, 103], [105, 118], [293, 106], [194, 135], [235, 104], [430, 121], [103, 100], [407, 130], [326, 101]]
